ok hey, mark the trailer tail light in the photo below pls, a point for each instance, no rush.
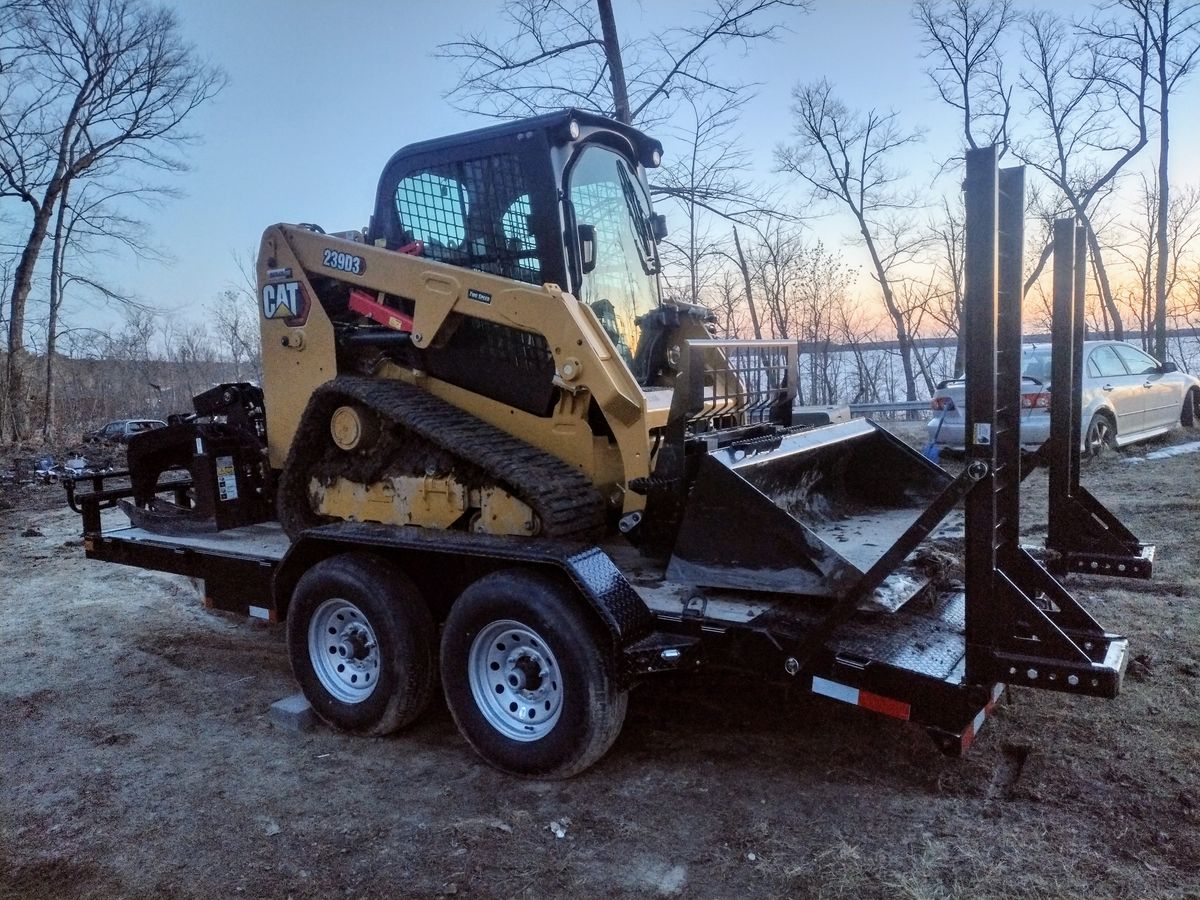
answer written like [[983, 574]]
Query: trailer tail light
[[941, 404], [1037, 400]]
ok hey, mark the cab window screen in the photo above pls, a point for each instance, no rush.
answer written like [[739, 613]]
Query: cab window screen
[[518, 235], [433, 209], [473, 213]]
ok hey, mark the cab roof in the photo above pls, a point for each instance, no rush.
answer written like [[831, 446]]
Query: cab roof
[[554, 124]]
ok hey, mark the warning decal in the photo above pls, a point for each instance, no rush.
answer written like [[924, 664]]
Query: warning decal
[[226, 478]]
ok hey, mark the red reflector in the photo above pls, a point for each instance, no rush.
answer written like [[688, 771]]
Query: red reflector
[[885, 705]]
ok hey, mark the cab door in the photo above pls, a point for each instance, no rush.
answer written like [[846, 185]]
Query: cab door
[[1124, 392]]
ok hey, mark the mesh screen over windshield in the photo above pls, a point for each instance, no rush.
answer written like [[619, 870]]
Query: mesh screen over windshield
[[473, 213]]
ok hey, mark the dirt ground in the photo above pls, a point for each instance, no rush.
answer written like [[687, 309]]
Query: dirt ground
[[138, 760]]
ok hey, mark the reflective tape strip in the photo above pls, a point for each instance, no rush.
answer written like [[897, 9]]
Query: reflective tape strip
[[837, 691], [886, 705], [895, 708], [972, 730]]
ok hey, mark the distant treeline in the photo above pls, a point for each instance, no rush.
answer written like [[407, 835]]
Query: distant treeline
[[90, 392]]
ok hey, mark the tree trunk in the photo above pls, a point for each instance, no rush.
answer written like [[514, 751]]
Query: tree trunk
[[889, 301], [22, 284], [1038, 268], [746, 281], [616, 67], [1106, 297], [926, 375], [56, 287], [1160, 272]]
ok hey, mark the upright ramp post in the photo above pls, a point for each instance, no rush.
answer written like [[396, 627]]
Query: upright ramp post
[[1022, 626], [1081, 535], [979, 322]]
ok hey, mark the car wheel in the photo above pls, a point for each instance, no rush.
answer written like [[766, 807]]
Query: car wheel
[[1191, 406], [528, 676], [360, 640], [1101, 435]]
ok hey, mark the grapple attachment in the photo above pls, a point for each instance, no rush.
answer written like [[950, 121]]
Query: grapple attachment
[[806, 512], [221, 449]]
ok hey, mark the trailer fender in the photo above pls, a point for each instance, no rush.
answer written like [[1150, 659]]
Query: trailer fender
[[443, 563]]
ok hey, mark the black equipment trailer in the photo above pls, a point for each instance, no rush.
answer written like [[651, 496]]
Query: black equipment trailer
[[939, 658]]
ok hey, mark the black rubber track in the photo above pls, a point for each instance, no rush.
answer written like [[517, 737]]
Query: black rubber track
[[565, 502]]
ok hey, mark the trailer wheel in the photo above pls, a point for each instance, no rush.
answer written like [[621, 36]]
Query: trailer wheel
[[360, 639], [528, 677]]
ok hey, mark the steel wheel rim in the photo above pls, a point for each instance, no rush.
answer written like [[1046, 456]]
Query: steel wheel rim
[[515, 680], [344, 651]]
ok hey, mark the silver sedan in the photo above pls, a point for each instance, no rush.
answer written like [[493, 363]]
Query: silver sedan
[[1127, 396]]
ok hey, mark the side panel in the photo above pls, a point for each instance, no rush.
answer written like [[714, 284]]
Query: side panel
[[298, 350], [232, 582]]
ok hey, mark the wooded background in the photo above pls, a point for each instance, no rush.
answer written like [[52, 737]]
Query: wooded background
[[96, 97]]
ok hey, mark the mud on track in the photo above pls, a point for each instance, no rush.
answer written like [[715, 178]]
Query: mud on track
[[138, 760]]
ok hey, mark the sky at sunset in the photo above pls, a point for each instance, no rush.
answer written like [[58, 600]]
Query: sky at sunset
[[322, 93]]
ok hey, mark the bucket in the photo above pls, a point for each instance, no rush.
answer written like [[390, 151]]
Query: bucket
[[804, 513]]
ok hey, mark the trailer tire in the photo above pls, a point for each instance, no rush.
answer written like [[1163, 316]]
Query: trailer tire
[[361, 642], [529, 677]]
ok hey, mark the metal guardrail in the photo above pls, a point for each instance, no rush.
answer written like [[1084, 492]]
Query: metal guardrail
[[862, 409]]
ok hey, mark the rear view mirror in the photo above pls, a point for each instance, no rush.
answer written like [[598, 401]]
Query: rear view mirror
[[1167, 368], [587, 247], [658, 226]]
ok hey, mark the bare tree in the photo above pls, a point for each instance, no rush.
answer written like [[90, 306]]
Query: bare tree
[[87, 226], [1172, 30], [727, 300], [962, 42], [87, 88], [820, 290], [744, 268], [1141, 248], [562, 53], [706, 183], [774, 264], [1088, 98], [948, 239], [235, 323], [848, 158], [855, 329]]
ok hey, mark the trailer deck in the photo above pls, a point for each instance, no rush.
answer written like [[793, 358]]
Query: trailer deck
[[237, 565], [908, 664]]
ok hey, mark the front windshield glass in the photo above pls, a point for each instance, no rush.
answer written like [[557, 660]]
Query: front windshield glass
[[607, 195]]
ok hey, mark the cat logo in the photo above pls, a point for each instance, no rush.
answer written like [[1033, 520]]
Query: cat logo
[[282, 301]]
